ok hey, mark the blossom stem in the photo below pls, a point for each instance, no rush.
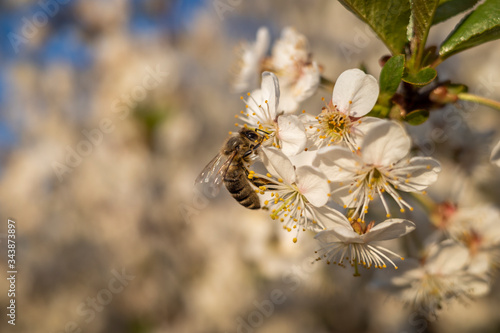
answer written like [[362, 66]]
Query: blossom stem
[[436, 62], [480, 100]]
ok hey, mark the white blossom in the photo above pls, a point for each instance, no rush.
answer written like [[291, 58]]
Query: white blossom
[[341, 120], [380, 165], [299, 194], [299, 75], [290, 60], [285, 131], [356, 242], [249, 63], [478, 228], [440, 275]]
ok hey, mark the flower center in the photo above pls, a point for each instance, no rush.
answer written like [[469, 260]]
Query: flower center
[[335, 124]]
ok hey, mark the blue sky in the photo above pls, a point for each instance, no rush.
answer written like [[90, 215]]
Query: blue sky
[[65, 44]]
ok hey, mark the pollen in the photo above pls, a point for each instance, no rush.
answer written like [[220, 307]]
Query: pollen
[[248, 94], [295, 240], [269, 175], [230, 132], [236, 124], [388, 215], [350, 102], [402, 210], [241, 97]]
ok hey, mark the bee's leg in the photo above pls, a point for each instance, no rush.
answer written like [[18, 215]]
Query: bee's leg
[[259, 181], [247, 153]]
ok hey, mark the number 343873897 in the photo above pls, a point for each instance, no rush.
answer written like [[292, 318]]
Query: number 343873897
[[11, 243]]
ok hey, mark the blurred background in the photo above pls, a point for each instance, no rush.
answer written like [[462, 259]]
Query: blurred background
[[108, 112]]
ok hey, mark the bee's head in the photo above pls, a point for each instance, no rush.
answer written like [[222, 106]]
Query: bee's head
[[251, 135]]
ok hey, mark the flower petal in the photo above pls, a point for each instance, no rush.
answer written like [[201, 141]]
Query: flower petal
[[288, 103], [308, 82], [290, 48], [338, 234], [250, 61], [303, 158], [417, 174], [355, 93], [313, 184], [329, 217], [278, 164], [271, 91], [389, 229], [292, 135], [385, 143], [495, 155], [259, 112], [446, 258], [339, 164], [363, 126], [302, 88]]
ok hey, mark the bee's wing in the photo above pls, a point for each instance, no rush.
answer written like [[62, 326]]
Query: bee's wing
[[213, 173], [211, 170]]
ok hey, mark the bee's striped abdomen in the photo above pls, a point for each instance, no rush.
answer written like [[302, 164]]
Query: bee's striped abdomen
[[237, 184]]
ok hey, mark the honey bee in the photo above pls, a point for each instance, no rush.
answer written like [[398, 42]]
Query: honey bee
[[229, 166]]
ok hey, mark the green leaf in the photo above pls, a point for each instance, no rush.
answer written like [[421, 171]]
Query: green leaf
[[390, 76], [449, 8], [480, 26], [417, 117], [379, 111], [388, 18], [422, 13], [423, 77]]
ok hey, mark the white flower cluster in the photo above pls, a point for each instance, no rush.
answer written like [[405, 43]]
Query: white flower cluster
[[456, 263], [339, 155]]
